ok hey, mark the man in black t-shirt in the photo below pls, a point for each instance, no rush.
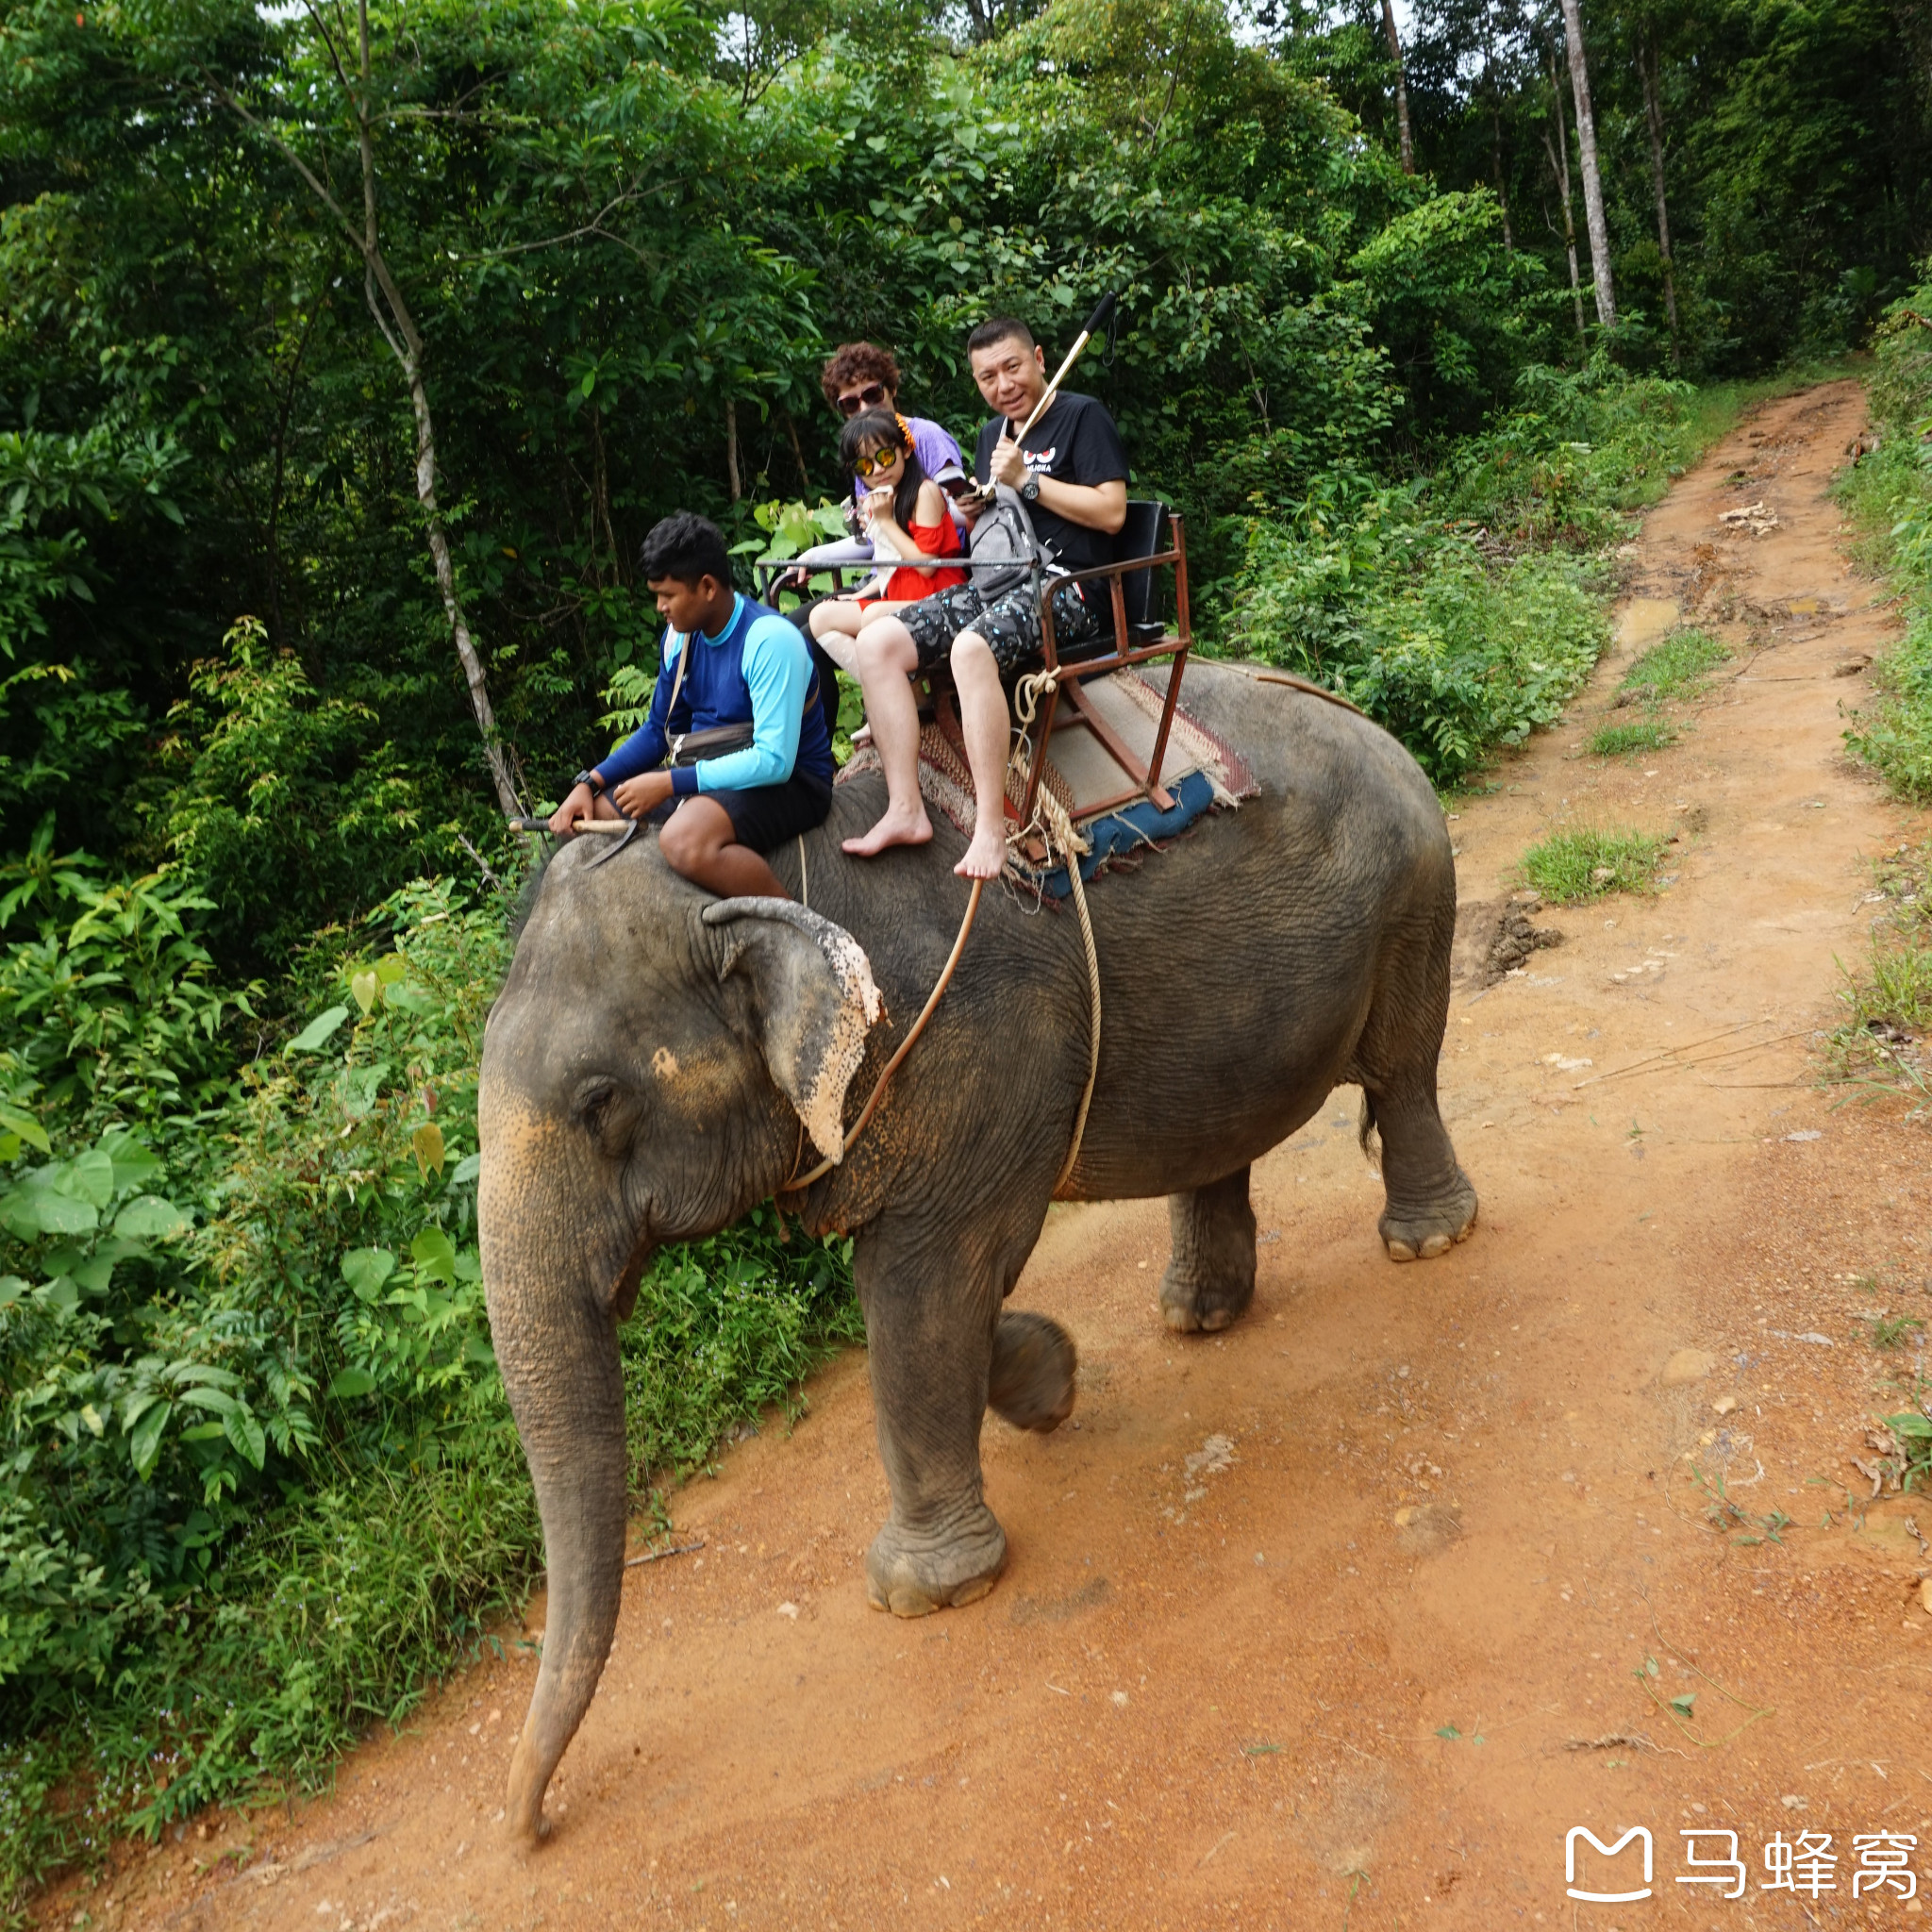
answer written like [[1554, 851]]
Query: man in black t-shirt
[[1071, 472]]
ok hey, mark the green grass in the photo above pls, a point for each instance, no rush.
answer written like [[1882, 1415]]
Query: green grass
[[1571, 868], [1678, 667], [1894, 1331], [1625, 740], [1881, 1042], [1888, 499]]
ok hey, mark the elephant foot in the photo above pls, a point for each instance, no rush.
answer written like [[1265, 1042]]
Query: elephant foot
[[1421, 1236], [1032, 1381], [913, 1575], [1194, 1303], [1210, 1278]]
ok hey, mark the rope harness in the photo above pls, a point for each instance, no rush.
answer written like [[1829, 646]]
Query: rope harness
[[1056, 830]]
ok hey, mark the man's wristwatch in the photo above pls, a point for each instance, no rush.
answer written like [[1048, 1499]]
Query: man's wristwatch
[[591, 779], [1029, 490]]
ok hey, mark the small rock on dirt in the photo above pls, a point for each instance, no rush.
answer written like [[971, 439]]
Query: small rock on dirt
[[1926, 1594], [1686, 1366], [1422, 1529]]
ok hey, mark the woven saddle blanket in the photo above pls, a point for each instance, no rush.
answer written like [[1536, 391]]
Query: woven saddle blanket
[[1200, 771]]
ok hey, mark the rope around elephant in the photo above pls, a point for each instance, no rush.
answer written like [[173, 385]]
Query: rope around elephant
[[1057, 831]]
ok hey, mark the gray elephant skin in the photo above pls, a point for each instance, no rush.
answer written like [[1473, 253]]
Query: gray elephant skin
[[659, 1061]]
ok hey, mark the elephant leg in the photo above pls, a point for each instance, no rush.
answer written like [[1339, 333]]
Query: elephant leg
[[931, 1294], [1032, 1381], [1210, 1270], [1430, 1204]]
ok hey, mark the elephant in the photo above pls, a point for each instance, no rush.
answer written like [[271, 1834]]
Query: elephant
[[658, 1062]]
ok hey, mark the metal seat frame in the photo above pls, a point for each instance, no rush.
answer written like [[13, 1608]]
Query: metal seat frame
[[1068, 676]]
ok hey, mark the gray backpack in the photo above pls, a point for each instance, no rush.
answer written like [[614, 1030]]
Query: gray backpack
[[1005, 552]]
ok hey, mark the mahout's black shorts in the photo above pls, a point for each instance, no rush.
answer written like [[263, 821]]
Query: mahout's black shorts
[[764, 816]]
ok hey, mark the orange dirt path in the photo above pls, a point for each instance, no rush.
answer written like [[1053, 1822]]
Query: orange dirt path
[[1257, 1577]]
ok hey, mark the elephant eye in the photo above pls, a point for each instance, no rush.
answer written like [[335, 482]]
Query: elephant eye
[[595, 1100]]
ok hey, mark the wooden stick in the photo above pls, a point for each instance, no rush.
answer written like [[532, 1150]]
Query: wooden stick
[[1095, 323], [612, 827], [658, 1556]]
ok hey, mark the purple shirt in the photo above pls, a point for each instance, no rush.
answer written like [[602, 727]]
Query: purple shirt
[[938, 454]]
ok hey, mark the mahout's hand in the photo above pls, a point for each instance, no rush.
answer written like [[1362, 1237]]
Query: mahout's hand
[[646, 792], [1006, 465], [579, 805]]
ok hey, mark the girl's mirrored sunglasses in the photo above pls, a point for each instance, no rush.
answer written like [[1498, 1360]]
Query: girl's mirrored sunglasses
[[869, 397], [879, 462]]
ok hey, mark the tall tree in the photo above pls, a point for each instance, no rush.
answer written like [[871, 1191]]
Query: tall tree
[[1558, 153], [397, 325], [1405, 138], [1592, 181], [1653, 114], [1492, 84]]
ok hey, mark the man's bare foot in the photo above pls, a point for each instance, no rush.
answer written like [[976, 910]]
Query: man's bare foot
[[894, 828], [984, 856]]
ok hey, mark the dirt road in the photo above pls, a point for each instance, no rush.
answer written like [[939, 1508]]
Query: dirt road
[[1338, 1619]]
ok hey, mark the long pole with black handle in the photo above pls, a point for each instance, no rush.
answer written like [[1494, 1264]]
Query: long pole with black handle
[[1103, 314]]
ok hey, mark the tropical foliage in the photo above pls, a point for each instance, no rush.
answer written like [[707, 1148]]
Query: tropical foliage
[[347, 354]]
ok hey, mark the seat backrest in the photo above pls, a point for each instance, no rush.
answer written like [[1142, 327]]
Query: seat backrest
[[1140, 536]]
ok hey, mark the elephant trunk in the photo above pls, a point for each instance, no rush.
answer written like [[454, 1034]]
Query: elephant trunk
[[560, 1369]]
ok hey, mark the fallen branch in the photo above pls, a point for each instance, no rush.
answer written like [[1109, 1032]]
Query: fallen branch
[[658, 1556]]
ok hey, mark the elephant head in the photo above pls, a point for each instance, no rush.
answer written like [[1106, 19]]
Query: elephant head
[[647, 1073]]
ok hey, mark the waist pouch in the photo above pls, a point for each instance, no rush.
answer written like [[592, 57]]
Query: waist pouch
[[694, 747]]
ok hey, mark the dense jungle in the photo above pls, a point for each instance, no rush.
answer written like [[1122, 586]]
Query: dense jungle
[[348, 350]]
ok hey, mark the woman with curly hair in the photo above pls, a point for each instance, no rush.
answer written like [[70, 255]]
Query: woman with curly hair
[[862, 375]]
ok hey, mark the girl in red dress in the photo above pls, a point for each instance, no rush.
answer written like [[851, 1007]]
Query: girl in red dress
[[906, 513]]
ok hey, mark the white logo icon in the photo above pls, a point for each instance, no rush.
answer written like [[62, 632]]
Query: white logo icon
[[1604, 1898]]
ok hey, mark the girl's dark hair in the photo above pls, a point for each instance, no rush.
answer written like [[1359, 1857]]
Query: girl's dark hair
[[875, 429]]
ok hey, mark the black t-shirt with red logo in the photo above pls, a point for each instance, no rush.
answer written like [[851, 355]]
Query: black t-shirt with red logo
[[1073, 442]]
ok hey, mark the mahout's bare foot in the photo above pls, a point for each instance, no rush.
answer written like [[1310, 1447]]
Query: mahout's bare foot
[[984, 857], [894, 827]]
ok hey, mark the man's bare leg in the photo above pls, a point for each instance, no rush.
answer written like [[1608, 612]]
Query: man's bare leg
[[699, 841], [983, 721], [887, 660]]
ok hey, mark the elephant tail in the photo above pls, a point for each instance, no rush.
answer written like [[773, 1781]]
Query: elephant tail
[[1365, 1133]]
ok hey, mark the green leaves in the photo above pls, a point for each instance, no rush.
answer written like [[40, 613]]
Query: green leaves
[[147, 1217], [366, 1270], [320, 1029]]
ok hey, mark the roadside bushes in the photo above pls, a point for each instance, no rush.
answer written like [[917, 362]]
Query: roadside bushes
[[1890, 492], [1454, 649], [1464, 611]]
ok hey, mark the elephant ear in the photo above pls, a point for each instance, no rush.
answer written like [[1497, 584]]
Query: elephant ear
[[813, 1001]]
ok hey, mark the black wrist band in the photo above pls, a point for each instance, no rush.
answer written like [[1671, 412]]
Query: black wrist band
[[591, 779]]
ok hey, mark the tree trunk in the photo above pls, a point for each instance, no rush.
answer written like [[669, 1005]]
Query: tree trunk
[[1559, 167], [1496, 167], [1497, 132], [797, 453], [398, 330], [1592, 181], [1404, 140], [1653, 111], [446, 583], [731, 451]]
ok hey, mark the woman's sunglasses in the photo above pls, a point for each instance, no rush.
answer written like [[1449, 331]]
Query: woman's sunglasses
[[879, 462], [870, 398]]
